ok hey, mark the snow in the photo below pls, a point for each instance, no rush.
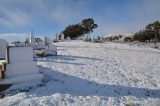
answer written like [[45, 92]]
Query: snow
[[92, 74], [116, 34]]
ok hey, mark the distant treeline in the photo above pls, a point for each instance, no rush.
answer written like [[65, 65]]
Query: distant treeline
[[150, 33]]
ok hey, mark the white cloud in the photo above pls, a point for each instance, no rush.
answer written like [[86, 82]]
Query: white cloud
[[14, 18], [24, 13], [14, 37], [11, 16]]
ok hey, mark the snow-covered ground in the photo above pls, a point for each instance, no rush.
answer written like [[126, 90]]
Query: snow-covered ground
[[94, 74]]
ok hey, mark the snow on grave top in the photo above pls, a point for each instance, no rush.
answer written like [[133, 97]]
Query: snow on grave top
[[18, 54]]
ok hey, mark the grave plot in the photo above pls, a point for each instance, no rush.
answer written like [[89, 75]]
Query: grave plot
[[47, 48], [21, 67], [52, 50]]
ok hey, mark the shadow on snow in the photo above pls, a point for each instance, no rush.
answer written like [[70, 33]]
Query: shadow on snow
[[58, 82], [65, 58]]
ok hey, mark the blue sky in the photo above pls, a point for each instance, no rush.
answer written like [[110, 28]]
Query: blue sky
[[48, 17]]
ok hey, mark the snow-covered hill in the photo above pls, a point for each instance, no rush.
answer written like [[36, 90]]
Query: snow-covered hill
[[117, 34], [94, 74]]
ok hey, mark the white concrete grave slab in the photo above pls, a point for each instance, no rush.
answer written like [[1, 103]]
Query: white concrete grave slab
[[33, 78], [21, 67], [52, 50], [158, 45], [62, 37], [32, 39], [20, 44], [3, 48], [19, 54], [68, 38], [33, 45]]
